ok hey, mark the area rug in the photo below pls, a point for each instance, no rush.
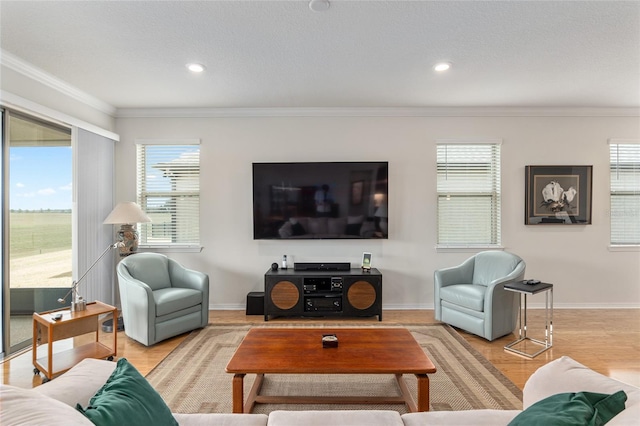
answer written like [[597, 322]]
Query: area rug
[[192, 379]]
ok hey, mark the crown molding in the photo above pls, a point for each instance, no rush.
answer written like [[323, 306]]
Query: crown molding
[[18, 103], [375, 112], [28, 70]]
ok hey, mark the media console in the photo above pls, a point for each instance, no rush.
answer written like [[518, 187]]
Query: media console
[[320, 293]]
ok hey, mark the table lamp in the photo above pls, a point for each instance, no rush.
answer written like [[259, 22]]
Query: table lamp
[[127, 214]]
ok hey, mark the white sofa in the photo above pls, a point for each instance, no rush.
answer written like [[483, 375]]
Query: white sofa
[[52, 403]]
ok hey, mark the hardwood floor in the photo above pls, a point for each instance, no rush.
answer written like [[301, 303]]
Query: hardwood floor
[[607, 341]]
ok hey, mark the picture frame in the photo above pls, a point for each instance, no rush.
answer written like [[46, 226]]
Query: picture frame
[[357, 189], [558, 195], [366, 261]]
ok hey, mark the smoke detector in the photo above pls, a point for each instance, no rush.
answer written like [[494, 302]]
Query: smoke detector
[[319, 5]]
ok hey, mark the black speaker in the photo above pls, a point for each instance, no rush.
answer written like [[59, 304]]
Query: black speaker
[[255, 303], [320, 266]]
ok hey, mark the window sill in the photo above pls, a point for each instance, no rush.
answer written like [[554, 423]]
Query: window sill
[[631, 247], [170, 249], [466, 249]]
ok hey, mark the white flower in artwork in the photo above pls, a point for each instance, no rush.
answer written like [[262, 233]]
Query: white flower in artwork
[[556, 198], [570, 194], [552, 192]]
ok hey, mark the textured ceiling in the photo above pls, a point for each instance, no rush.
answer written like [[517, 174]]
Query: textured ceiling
[[356, 54]]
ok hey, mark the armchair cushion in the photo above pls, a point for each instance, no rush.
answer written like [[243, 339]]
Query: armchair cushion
[[172, 299], [468, 296]]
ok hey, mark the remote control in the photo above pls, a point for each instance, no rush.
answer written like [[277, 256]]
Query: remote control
[[56, 317]]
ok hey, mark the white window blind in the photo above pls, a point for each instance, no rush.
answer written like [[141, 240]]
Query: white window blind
[[625, 193], [169, 192], [468, 186]]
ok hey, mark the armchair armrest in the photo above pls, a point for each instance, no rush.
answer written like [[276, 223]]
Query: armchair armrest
[[138, 305], [187, 278], [516, 275], [461, 274], [196, 280], [502, 304], [497, 285]]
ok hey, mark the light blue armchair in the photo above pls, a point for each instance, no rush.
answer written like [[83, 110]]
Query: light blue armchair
[[160, 298], [472, 296]]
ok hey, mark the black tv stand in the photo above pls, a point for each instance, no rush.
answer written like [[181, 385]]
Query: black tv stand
[[352, 293]]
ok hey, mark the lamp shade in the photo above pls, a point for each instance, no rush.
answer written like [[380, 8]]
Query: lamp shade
[[127, 212], [381, 211]]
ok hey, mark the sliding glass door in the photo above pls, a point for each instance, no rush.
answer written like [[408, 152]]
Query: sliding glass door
[[37, 236]]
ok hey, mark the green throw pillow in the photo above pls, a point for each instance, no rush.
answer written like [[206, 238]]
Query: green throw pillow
[[127, 399], [582, 408]]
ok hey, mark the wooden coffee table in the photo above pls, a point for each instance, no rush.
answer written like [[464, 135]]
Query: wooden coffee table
[[299, 351]]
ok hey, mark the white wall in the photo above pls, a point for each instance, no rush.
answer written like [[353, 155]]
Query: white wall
[[575, 258]]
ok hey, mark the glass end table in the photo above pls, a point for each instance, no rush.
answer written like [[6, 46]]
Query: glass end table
[[527, 290]]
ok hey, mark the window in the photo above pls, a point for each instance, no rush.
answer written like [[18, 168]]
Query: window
[[169, 192], [625, 192], [39, 188], [468, 186]]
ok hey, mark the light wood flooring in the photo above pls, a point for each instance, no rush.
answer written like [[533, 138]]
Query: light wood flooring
[[607, 341]]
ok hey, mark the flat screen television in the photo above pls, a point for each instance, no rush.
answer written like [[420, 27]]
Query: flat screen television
[[320, 200]]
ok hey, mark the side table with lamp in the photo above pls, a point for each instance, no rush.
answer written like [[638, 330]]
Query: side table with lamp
[[81, 317], [77, 319], [65, 323]]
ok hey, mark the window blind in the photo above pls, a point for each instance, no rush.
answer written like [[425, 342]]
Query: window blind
[[625, 193], [93, 200], [168, 174], [468, 187]]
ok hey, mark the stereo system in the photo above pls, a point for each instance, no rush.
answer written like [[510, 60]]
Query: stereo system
[[323, 293]]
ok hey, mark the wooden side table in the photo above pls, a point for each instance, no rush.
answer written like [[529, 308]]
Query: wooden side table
[[525, 290], [46, 330]]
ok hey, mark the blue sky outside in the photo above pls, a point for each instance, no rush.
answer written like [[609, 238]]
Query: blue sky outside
[[40, 178]]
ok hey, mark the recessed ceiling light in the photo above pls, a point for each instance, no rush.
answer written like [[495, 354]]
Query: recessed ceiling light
[[442, 66], [195, 67], [319, 5]]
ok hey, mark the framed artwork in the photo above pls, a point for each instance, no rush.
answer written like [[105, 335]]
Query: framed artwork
[[558, 195], [357, 189]]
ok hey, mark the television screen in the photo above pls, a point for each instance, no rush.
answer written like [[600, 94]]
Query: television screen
[[320, 200]]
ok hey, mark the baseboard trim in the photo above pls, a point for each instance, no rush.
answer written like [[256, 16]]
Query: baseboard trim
[[398, 307]]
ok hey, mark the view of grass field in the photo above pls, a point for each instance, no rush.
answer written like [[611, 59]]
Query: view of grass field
[[40, 249], [39, 232]]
